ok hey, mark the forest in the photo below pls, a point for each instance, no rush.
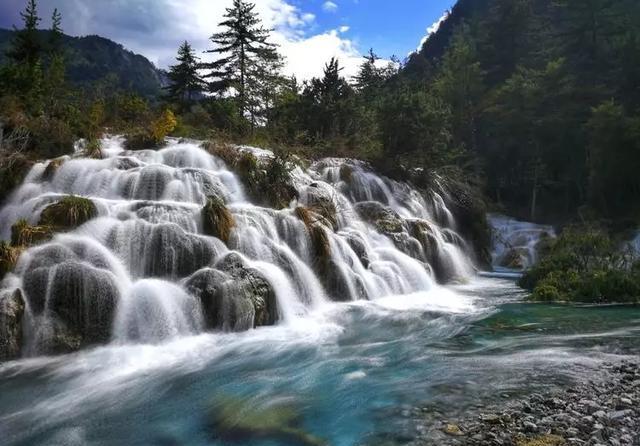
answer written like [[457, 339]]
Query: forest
[[534, 102]]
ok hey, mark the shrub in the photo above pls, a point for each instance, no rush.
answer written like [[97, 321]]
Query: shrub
[[583, 265]]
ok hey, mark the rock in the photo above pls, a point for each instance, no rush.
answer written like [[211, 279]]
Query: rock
[[529, 426], [453, 429], [252, 297], [490, 418], [11, 313], [72, 294], [383, 218], [235, 419], [619, 414], [68, 213]]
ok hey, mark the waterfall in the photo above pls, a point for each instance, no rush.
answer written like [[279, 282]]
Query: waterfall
[[143, 269], [515, 242]]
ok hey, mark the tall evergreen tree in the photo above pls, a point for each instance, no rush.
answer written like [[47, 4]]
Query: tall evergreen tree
[[184, 76], [244, 53], [26, 47]]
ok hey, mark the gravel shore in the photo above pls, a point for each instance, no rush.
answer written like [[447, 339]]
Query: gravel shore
[[602, 411]]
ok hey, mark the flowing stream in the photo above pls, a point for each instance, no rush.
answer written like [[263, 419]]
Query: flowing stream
[[402, 322]]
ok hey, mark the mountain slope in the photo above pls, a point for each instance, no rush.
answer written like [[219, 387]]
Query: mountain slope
[[94, 58]]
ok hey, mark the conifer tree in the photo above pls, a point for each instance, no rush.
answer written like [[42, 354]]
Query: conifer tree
[[245, 56], [26, 47], [56, 72], [185, 79]]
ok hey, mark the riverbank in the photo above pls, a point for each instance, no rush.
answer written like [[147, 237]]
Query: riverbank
[[604, 410]]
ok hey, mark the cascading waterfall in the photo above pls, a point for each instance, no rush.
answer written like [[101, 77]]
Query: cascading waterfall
[[144, 270], [515, 242]]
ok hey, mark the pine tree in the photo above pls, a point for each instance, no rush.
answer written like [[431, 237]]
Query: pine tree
[[56, 72], [56, 31], [185, 79], [26, 47], [246, 56]]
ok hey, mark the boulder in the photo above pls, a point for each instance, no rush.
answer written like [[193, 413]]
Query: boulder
[[11, 312], [236, 419], [249, 292], [72, 294], [384, 219], [233, 296]]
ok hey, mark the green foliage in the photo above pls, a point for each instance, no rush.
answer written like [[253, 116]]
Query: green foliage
[[583, 265]]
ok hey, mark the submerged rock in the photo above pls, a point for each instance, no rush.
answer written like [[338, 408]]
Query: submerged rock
[[235, 419], [11, 314]]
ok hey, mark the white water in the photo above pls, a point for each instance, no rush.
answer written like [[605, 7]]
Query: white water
[[516, 239], [147, 242]]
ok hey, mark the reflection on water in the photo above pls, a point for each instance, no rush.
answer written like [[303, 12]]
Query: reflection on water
[[340, 376]]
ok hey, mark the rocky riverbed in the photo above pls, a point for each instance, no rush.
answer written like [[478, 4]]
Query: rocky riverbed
[[605, 410]]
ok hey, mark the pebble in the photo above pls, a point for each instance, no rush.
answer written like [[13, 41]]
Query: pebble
[[603, 411]]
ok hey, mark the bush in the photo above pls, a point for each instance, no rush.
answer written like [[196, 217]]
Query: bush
[[583, 265]]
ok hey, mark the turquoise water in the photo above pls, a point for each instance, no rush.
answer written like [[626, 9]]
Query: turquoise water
[[351, 372]]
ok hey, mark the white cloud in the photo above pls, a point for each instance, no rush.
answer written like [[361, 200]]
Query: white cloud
[[435, 26], [155, 29], [330, 6]]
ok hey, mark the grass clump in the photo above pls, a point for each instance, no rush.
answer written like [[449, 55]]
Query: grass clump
[[68, 213], [217, 220], [318, 234], [583, 265], [23, 234], [9, 256]]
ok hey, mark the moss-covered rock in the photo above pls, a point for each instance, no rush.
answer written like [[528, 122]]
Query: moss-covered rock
[[384, 219], [11, 312], [242, 420], [51, 168], [68, 213], [217, 220]]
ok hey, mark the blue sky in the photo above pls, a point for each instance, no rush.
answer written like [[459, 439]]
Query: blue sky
[[309, 32], [390, 27]]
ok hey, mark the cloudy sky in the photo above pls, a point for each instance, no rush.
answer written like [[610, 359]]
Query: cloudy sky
[[309, 32]]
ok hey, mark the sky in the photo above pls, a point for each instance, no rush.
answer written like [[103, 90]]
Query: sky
[[309, 32]]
